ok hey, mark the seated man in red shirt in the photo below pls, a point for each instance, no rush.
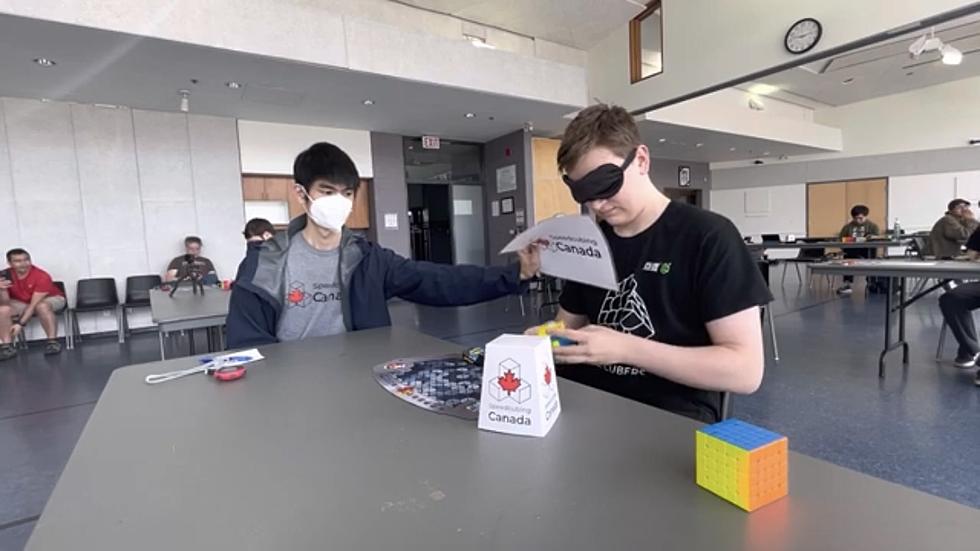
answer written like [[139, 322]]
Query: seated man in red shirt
[[26, 290]]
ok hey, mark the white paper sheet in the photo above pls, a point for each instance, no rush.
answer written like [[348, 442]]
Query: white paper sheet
[[573, 248]]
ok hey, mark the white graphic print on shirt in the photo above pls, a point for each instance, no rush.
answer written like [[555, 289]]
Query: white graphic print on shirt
[[624, 310]]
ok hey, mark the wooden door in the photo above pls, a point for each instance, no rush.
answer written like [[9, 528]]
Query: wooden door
[[829, 204], [360, 217], [825, 210], [551, 195], [872, 194]]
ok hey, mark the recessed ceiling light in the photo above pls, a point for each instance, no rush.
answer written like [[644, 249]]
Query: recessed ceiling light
[[731, 149], [765, 153], [233, 85], [699, 144], [479, 42], [662, 140], [368, 102], [44, 62], [847, 80], [470, 115], [761, 89]]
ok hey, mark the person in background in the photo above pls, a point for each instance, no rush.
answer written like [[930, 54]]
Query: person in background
[[951, 231], [318, 278], [258, 230], [957, 306], [860, 227], [26, 290], [192, 260], [684, 324]]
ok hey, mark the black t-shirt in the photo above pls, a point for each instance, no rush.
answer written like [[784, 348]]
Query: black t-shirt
[[973, 243], [687, 269]]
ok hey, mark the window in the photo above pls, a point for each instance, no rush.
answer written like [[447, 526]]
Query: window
[[647, 43]]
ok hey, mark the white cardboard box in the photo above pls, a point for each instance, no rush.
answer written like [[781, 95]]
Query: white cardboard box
[[520, 387]]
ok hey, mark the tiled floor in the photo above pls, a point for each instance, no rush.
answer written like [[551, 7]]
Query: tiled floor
[[917, 427]]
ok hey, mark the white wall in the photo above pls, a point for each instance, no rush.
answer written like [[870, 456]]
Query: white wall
[[938, 117], [919, 200], [727, 111], [374, 36], [708, 42], [97, 192], [271, 148], [759, 210]]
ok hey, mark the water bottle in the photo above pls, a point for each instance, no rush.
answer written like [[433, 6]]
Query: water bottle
[[897, 232]]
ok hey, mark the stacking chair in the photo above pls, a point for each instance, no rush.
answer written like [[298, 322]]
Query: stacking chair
[[805, 256], [96, 295], [138, 295], [22, 337]]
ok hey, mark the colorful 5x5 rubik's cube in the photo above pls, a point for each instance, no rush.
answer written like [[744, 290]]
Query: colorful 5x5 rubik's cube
[[742, 463]]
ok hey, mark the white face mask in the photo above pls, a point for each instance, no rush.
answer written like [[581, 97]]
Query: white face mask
[[330, 211]]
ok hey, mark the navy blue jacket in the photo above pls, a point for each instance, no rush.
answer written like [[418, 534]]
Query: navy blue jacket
[[369, 275]]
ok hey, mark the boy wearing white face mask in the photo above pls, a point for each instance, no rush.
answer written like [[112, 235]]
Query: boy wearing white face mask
[[320, 279]]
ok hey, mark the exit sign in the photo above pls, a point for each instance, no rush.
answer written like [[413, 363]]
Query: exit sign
[[430, 142]]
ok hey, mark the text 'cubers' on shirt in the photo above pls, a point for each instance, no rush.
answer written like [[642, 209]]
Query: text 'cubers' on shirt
[[689, 268], [312, 305]]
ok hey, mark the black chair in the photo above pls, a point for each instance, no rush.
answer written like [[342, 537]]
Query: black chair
[[766, 309], [22, 337], [805, 256], [96, 295], [138, 295]]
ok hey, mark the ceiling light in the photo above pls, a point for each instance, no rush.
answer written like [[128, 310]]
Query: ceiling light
[[731, 149], [44, 62], [925, 43], [756, 104], [951, 55], [847, 80], [761, 89], [185, 101], [479, 42], [662, 140], [766, 153], [368, 102], [470, 115], [233, 85], [699, 144]]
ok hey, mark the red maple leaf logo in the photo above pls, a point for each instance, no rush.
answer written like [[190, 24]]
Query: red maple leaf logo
[[295, 296], [509, 382], [547, 375]]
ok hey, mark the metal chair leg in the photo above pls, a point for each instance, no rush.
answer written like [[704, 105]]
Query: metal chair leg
[[782, 280], [772, 332], [942, 341], [120, 314], [799, 276], [69, 339]]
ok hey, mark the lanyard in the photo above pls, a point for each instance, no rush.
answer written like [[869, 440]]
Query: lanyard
[[223, 368]]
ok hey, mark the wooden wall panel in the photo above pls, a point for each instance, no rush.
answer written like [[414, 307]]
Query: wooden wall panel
[[551, 195], [826, 211]]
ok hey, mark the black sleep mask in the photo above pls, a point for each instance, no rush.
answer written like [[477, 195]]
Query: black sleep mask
[[602, 183]]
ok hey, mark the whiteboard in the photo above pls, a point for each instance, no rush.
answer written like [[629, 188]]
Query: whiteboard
[[919, 200]]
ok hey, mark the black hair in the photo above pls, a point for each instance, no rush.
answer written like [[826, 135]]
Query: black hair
[[258, 226], [957, 202], [325, 161], [859, 210], [15, 252], [193, 239]]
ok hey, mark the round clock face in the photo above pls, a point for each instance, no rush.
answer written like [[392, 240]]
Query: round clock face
[[803, 35]]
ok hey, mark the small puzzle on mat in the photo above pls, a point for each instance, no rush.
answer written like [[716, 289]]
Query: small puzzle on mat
[[447, 384]]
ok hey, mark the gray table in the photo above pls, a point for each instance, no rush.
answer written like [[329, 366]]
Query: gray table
[[898, 271], [825, 245], [309, 452], [187, 311]]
